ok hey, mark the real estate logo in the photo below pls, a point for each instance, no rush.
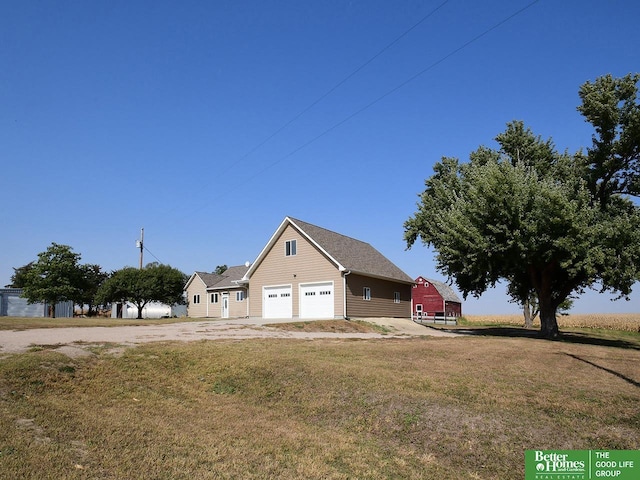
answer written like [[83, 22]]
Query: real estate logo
[[561, 464], [582, 464]]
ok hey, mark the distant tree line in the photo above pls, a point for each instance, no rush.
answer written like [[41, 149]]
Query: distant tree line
[[58, 276]]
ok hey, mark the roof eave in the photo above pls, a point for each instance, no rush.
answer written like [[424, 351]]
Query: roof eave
[[381, 277]]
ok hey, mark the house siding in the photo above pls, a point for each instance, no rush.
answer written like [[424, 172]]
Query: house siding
[[309, 265], [197, 310], [236, 309], [382, 298]]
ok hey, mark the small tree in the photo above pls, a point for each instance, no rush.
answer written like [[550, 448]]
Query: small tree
[[220, 269], [92, 278], [154, 283], [55, 277], [19, 277]]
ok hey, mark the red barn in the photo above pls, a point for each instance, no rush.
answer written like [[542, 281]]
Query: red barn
[[431, 298]]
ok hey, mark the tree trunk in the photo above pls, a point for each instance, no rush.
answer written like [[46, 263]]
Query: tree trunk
[[530, 311], [548, 321], [526, 310], [140, 307]]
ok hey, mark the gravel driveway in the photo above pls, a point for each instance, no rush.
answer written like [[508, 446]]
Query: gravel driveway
[[73, 340]]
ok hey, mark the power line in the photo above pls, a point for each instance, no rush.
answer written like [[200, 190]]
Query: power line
[[338, 85], [394, 89], [371, 103], [323, 96], [150, 253]]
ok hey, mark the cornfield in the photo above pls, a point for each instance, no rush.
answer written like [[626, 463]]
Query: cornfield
[[629, 322]]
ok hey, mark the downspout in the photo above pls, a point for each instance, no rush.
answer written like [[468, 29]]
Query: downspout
[[344, 293], [412, 319]]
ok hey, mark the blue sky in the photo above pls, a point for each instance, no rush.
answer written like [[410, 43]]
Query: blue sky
[[168, 115]]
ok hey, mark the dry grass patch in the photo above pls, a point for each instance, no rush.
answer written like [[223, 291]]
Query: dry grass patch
[[334, 326], [24, 323], [629, 322], [422, 408]]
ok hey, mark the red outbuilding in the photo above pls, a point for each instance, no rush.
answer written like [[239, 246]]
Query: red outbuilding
[[432, 299]]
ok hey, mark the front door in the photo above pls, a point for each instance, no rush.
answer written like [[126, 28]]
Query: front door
[[225, 305]]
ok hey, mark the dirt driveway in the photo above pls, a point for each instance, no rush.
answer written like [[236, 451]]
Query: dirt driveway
[[73, 341]]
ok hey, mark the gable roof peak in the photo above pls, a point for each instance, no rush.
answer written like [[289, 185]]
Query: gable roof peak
[[349, 253], [445, 290]]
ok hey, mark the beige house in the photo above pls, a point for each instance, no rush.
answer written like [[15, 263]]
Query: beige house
[[305, 271], [217, 296]]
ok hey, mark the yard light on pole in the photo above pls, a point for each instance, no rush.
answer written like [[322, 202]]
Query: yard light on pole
[[140, 245]]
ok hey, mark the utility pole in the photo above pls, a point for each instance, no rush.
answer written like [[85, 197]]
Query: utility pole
[[140, 245]]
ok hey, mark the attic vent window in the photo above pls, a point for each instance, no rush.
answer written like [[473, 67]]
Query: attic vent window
[[290, 248]]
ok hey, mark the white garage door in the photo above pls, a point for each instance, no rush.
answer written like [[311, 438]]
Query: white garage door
[[277, 302], [316, 300]]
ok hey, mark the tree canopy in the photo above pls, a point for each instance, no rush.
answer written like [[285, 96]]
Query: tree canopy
[[546, 222], [155, 282], [220, 269], [92, 276], [19, 277], [54, 277], [58, 276]]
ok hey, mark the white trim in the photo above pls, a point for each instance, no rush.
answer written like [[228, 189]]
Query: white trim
[[344, 293], [287, 221], [311, 240], [284, 285], [319, 282], [224, 312], [293, 247]]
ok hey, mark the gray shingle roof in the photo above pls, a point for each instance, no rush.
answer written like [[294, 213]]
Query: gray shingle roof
[[230, 277], [445, 291], [354, 255], [209, 279]]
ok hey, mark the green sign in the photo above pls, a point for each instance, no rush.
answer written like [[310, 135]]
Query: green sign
[[581, 464]]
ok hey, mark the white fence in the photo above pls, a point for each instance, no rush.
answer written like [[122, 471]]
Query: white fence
[[438, 318]]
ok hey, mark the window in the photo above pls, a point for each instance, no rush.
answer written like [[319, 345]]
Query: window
[[396, 297], [196, 299], [214, 298], [366, 293], [290, 248], [239, 296]]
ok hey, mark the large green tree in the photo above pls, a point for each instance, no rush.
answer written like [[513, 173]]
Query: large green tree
[[155, 282], [54, 277], [92, 277], [548, 223]]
